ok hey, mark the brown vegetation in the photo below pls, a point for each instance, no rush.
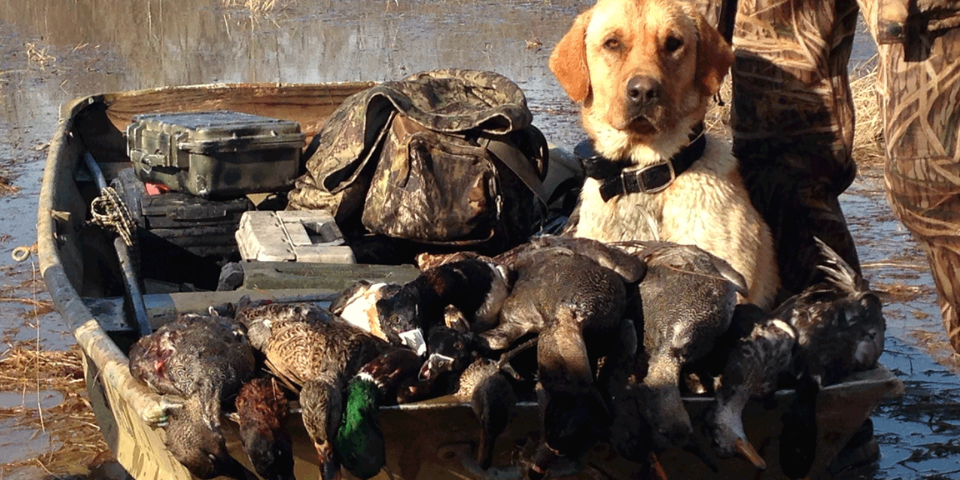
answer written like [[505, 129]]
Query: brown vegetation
[[26, 369], [259, 7]]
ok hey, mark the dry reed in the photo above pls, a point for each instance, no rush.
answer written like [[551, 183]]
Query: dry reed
[[6, 183], [868, 134], [39, 55], [259, 7], [75, 438]]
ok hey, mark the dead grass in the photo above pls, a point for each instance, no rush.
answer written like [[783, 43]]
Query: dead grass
[[718, 116], [39, 56], [868, 135], [939, 349], [6, 183], [260, 7], [71, 424]]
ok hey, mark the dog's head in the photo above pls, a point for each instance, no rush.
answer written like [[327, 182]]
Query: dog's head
[[643, 69]]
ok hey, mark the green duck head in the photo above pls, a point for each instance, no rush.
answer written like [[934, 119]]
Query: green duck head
[[359, 442]]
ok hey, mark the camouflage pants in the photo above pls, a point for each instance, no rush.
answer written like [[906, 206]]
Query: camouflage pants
[[920, 107], [793, 124]]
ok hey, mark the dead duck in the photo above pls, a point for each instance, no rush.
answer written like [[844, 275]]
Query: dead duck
[[195, 439], [702, 377], [262, 410], [359, 442], [193, 350], [357, 304], [518, 317], [752, 370], [477, 288], [628, 266], [395, 371], [307, 345], [580, 305], [205, 360], [839, 321], [687, 300], [492, 399], [630, 431], [450, 351]]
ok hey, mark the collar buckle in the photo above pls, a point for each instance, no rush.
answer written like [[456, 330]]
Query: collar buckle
[[650, 179]]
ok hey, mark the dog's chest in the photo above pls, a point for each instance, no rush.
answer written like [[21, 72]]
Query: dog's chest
[[634, 216]]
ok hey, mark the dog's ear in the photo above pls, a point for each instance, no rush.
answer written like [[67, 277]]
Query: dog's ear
[[714, 57], [568, 62]]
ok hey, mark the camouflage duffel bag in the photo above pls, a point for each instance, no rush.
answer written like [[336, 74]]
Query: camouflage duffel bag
[[442, 158]]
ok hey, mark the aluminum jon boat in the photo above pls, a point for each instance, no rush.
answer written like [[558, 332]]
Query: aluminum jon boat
[[428, 440]]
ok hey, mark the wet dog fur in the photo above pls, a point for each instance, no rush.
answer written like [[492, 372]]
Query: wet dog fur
[[644, 72]]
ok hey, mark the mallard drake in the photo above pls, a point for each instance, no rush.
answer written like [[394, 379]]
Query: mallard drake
[[394, 371], [687, 299], [840, 322], [205, 360], [307, 345], [752, 371], [359, 442], [262, 409]]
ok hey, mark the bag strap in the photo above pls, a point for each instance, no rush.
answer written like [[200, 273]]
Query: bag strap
[[517, 162]]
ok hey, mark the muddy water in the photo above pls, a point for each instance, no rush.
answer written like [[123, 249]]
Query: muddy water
[[53, 50]]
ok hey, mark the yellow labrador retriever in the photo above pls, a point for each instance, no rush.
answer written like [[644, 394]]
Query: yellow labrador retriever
[[645, 72]]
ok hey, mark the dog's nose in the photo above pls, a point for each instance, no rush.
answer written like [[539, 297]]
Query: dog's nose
[[644, 91]]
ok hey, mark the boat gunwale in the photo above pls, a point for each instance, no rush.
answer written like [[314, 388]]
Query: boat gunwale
[[90, 336]]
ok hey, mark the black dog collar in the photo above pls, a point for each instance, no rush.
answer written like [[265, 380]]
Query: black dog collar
[[616, 179]]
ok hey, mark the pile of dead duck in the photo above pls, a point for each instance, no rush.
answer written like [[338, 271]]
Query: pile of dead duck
[[604, 338]]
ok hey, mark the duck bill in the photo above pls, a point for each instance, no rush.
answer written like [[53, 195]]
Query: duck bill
[[329, 466], [434, 366], [413, 339], [748, 452], [656, 469]]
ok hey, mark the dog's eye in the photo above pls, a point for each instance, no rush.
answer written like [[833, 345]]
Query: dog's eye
[[611, 44], [673, 43]]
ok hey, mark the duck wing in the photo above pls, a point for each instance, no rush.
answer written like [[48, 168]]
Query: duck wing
[[301, 348]]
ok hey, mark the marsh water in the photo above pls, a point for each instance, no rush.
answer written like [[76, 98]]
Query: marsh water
[[54, 50]]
